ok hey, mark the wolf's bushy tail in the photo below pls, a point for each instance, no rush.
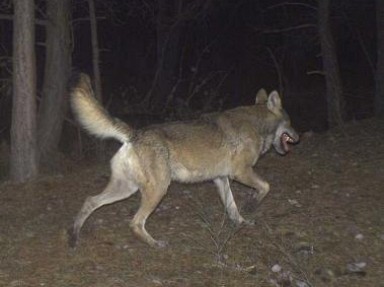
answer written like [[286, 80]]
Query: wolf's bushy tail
[[92, 116]]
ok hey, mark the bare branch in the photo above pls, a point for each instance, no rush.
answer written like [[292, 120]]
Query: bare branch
[[305, 5], [288, 29], [321, 73], [362, 44], [278, 70]]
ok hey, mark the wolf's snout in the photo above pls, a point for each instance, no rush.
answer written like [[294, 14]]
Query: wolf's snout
[[287, 139]]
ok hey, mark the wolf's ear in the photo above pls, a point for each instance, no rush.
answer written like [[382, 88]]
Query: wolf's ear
[[274, 101], [261, 97]]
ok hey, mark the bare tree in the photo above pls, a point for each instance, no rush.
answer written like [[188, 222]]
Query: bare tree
[[24, 162], [379, 94], [100, 145], [334, 90], [171, 21], [57, 69], [168, 30], [95, 50]]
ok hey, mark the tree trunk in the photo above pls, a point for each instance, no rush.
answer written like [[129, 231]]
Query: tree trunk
[[100, 145], [24, 162], [335, 101], [57, 69], [379, 94], [95, 50]]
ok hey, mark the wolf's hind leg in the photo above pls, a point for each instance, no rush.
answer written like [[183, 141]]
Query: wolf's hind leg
[[151, 196], [116, 190]]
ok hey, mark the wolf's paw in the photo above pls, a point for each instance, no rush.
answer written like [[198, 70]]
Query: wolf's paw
[[160, 244], [242, 222], [248, 222]]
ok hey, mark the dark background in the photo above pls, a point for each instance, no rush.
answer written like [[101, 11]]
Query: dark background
[[228, 48]]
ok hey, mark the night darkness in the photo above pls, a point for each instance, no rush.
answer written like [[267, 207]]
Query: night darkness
[[245, 197], [222, 52]]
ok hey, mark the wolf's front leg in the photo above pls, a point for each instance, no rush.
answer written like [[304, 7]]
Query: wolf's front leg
[[226, 196]]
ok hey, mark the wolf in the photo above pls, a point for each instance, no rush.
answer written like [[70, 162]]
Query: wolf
[[220, 146]]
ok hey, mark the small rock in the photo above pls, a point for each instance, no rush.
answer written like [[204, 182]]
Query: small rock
[[302, 284], [356, 266], [276, 268], [157, 282], [359, 236], [294, 202]]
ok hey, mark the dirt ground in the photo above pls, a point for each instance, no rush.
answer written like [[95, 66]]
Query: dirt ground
[[321, 225]]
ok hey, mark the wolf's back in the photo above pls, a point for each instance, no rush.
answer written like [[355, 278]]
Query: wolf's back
[[92, 116]]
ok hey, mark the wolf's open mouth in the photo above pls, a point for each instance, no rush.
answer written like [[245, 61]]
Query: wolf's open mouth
[[286, 139]]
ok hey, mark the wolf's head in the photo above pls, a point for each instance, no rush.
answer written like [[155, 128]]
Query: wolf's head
[[278, 120]]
